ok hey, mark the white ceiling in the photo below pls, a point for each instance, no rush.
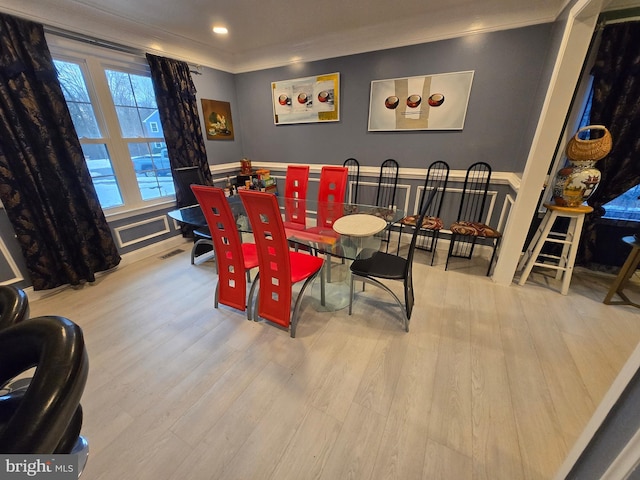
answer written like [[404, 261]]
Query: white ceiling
[[268, 33]]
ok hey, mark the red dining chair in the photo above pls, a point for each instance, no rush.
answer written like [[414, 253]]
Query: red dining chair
[[331, 192], [233, 258], [333, 186], [279, 267], [295, 192]]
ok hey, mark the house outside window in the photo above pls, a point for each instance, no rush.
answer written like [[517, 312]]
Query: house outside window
[[113, 108]]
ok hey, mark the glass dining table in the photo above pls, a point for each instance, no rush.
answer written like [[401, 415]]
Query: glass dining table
[[356, 231]]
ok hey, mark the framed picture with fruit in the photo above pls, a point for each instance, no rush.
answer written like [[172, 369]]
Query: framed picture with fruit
[[306, 100], [428, 102]]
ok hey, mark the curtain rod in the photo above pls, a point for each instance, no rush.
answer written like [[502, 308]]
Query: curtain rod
[[79, 37]]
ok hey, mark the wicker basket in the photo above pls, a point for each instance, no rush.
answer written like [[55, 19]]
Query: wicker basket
[[589, 150]]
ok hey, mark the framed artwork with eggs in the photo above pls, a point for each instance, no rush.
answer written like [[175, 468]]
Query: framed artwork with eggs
[[428, 102], [306, 100]]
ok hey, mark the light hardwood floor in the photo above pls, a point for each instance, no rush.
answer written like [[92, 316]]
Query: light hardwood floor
[[491, 382]]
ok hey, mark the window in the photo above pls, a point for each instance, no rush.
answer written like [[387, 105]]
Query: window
[[625, 206], [114, 111]]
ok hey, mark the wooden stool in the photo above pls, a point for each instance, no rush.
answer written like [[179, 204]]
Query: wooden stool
[[627, 270], [569, 242]]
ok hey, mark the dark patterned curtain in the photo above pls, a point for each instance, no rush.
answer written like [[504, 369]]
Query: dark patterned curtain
[[45, 185], [616, 105], [178, 109]]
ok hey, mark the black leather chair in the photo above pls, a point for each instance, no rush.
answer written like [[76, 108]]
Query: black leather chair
[[14, 306], [45, 416], [386, 266], [184, 177]]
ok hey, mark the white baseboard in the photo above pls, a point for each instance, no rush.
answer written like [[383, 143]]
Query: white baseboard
[[127, 259]]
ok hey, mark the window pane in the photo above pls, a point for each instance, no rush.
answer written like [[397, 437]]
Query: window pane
[[129, 119], [625, 207], [135, 103], [75, 93], [153, 172], [144, 93], [102, 174]]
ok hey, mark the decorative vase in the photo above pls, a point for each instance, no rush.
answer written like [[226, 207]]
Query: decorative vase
[[576, 182]]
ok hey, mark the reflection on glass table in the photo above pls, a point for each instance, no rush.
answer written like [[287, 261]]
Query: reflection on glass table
[[325, 241]]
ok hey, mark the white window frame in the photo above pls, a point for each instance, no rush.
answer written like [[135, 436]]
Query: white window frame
[[94, 61]]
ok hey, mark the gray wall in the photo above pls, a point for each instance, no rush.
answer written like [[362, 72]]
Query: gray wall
[[216, 85], [509, 67], [555, 38]]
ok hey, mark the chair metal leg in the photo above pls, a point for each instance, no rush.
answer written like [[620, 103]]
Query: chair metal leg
[[451, 242], [323, 300], [202, 241], [294, 316], [409, 301], [215, 295], [254, 285], [399, 238], [381, 285], [434, 244]]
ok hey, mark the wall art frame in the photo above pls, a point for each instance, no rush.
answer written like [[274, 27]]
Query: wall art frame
[[218, 124], [306, 100], [426, 102]]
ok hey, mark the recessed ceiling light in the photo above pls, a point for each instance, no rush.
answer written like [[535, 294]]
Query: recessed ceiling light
[[220, 30]]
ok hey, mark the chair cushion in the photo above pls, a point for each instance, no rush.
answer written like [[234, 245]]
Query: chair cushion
[[381, 265], [430, 223], [304, 265], [250, 254], [474, 229], [384, 213]]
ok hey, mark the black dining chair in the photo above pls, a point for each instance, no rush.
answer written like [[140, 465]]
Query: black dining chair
[[353, 181], [387, 184], [183, 178], [469, 228], [437, 177], [386, 191], [386, 266]]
